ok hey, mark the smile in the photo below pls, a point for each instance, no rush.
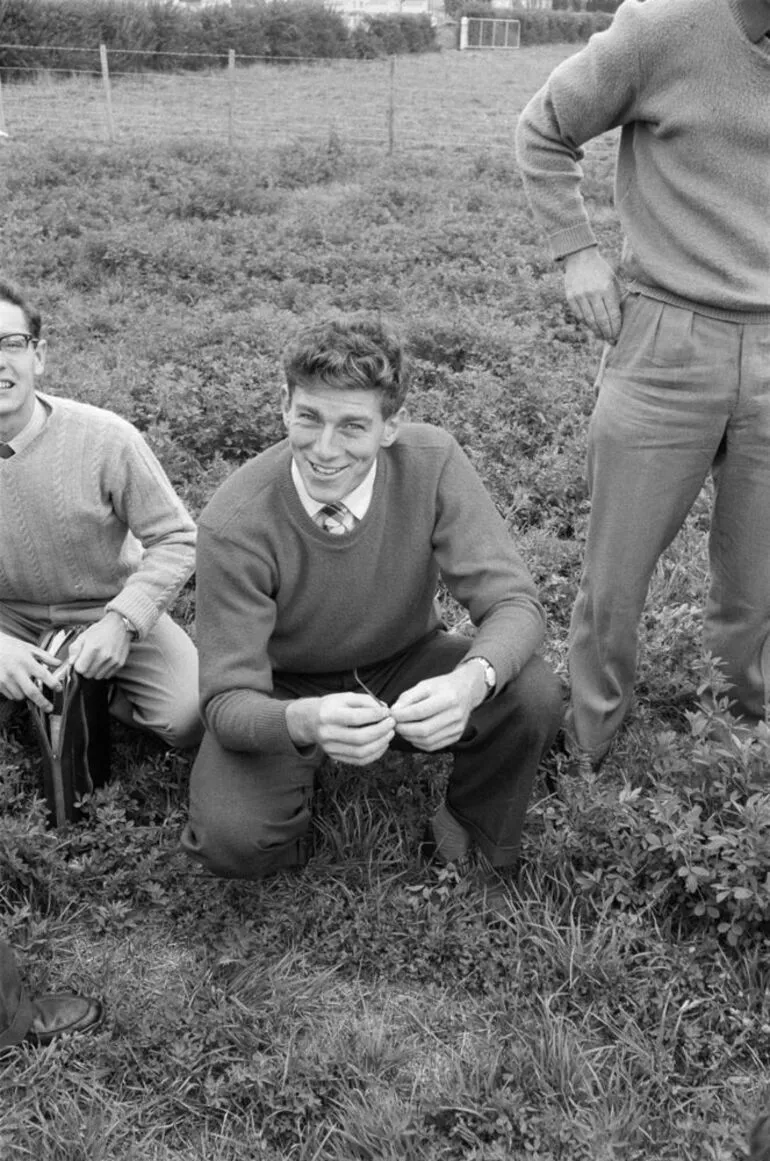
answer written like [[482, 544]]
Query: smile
[[321, 471]]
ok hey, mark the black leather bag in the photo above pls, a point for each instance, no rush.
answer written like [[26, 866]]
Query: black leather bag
[[75, 735]]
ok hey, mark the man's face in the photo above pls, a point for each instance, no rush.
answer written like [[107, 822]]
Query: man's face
[[18, 374], [335, 436]]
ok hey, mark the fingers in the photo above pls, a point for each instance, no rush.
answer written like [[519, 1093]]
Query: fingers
[[428, 721], [358, 745], [354, 728], [27, 685], [593, 292], [28, 673], [356, 754], [95, 666], [600, 312], [424, 701], [606, 317], [94, 660], [436, 733]]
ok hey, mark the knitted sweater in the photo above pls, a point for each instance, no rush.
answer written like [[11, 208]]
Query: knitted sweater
[[88, 514], [275, 592], [692, 186]]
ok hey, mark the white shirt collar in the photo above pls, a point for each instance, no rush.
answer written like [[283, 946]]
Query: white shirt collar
[[32, 427], [357, 501]]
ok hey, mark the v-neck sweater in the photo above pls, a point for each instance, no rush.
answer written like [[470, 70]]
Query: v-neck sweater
[[277, 593]]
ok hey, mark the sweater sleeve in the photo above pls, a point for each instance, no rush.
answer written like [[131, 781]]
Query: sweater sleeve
[[588, 94], [143, 499], [484, 571], [235, 617]]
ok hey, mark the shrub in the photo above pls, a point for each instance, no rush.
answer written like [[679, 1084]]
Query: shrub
[[691, 843], [151, 37], [393, 35]]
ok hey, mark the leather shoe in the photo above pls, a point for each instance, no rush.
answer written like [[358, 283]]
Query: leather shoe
[[63, 1012]]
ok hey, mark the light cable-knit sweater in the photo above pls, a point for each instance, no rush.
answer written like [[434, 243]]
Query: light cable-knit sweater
[[692, 186], [276, 592], [88, 514]]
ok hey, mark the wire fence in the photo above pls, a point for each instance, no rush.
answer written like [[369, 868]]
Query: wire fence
[[436, 100]]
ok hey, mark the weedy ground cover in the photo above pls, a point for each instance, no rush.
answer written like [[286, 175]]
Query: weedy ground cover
[[362, 1008]]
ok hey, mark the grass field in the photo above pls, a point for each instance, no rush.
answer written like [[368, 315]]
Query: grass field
[[439, 101], [362, 1009]]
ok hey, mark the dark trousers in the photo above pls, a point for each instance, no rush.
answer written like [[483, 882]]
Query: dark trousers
[[16, 1009], [249, 812]]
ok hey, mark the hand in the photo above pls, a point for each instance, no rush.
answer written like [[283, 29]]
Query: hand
[[433, 714], [593, 292], [351, 727], [102, 649], [23, 665]]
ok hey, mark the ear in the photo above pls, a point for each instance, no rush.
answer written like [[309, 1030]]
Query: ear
[[390, 433], [285, 404], [40, 353]]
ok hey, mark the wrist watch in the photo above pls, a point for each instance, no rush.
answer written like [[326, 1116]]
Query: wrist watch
[[131, 629], [490, 677]]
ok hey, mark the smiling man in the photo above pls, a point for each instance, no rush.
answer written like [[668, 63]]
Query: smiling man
[[319, 632], [91, 534]]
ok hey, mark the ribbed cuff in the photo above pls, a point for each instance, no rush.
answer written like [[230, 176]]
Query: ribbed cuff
[[569, 241]]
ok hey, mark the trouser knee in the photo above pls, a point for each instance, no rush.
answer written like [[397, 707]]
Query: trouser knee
[[535, 698], [241, 853], [249, 813], [184, 727]]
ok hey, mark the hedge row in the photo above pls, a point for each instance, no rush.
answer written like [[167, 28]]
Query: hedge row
[[545, 26], [280, 30]]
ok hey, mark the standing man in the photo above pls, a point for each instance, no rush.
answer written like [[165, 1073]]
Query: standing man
[[91, 533], [684, 385], [319, 632], [39, 1020]]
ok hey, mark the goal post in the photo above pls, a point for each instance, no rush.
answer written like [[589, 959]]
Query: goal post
[[489, 32]]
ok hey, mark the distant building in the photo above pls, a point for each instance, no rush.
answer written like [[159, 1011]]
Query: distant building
[[194, 5], [354, 11]]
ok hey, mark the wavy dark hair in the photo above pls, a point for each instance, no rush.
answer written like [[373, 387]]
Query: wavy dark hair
[[10, 293], [356, 352]]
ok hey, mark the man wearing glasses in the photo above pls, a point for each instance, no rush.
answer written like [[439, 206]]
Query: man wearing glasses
[[91, 533]]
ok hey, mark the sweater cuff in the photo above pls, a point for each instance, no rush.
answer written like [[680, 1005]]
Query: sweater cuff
[[142, 612], [569, 241], [253, 722]]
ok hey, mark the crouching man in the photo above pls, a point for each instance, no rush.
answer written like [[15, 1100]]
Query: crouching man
[[319, 632], [91, 534]]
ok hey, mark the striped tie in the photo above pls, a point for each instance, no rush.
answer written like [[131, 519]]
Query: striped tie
[[6, 451], [336, 518]]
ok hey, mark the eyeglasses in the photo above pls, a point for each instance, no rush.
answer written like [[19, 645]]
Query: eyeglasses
[[16, 344]]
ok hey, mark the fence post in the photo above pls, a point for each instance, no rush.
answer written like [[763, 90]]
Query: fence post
[[392, 107], [231, 98], [463, 33], [107, 90], [3, 132]]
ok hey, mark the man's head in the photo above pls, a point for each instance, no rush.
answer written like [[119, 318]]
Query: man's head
[[357, 353], [22, 359], [343, 401]]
